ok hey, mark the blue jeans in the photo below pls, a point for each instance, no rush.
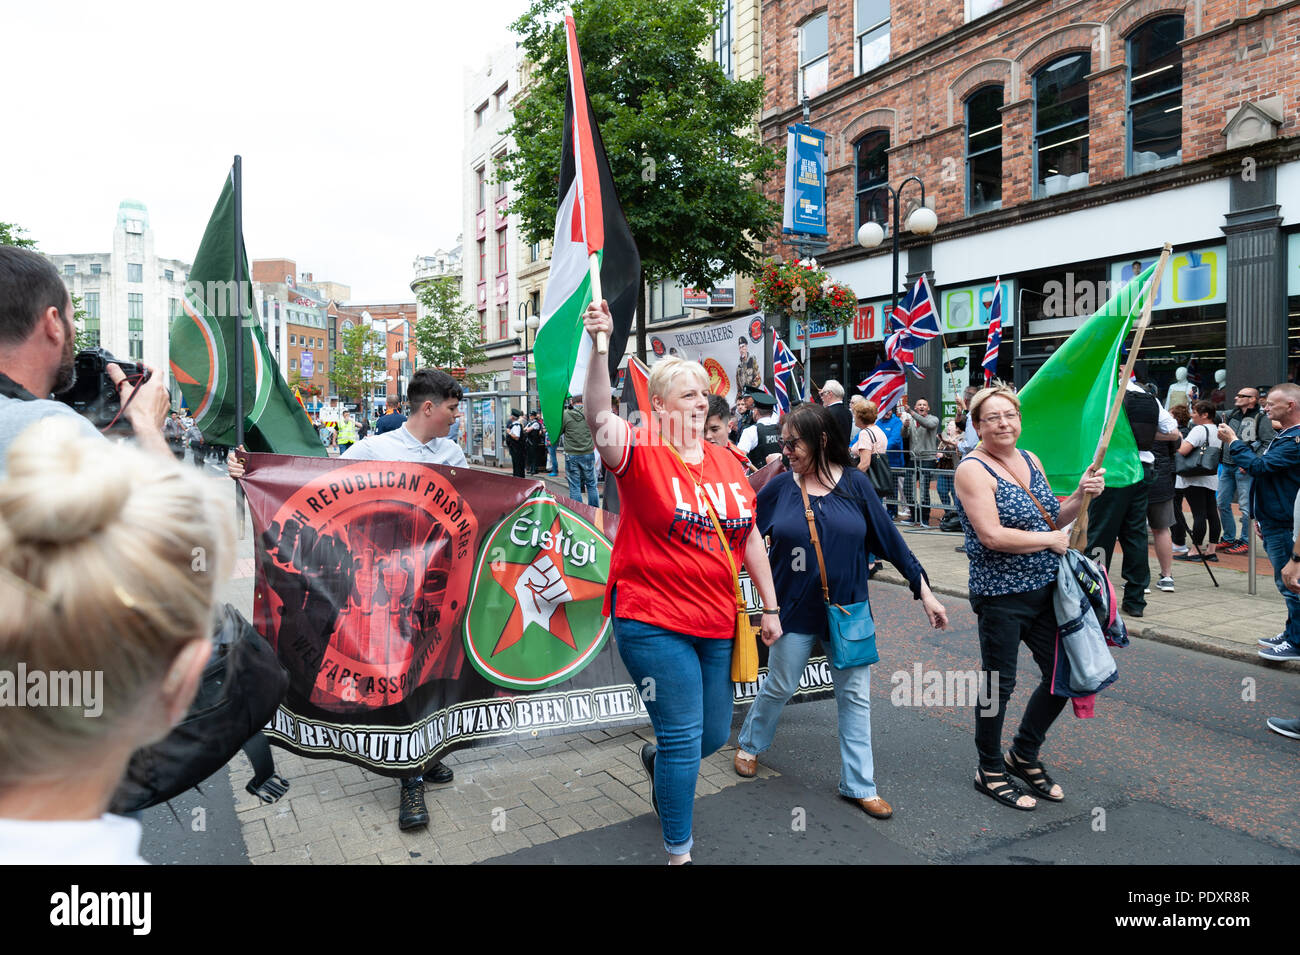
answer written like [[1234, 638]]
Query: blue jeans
[[581, 469], [1277, 544], [1233, 484], [686, 684], [550, 452], [944, 488], [785, 665]]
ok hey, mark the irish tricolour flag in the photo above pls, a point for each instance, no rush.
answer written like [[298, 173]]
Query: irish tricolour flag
[[589, 222]]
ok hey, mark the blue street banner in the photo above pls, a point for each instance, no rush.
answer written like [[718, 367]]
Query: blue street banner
[[805, 181]]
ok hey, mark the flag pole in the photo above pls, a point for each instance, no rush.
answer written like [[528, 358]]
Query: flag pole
[[602, 340], [1079, 535], [239, 331]]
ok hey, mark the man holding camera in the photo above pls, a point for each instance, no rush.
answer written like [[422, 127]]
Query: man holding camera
[[38, 357]]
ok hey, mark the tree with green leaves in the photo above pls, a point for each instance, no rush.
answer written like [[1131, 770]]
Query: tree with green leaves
[[681, 140], [11, 234], [447, 336], [358, 363]]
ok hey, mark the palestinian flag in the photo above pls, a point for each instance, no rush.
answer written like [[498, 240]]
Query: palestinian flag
[[1064, 407], [203, 351], [589, 222]]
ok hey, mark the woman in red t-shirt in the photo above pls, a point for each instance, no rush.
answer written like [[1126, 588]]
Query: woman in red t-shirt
[[670, 575]]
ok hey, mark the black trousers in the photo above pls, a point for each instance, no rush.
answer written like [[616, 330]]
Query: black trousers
[[1205, 509], [1119, 515], [516, 458], [1005, 622]]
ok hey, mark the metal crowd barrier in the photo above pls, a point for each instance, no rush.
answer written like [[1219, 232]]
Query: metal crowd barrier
[[923, 487]]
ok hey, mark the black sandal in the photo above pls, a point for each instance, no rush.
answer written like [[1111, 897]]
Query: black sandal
[[1033, 774], [1003, 790]]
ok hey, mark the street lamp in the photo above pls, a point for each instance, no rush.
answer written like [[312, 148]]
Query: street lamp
[[520, 325], [922, 221]]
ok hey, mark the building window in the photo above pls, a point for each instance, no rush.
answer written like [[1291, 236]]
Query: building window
[[1061, 125], [502, 185], [723, 26], [96, 268], [1155, 95], [977, 8], [135, 335], [482, 324], [499, 98], [984, 150], [503, 321], [69, 268], [92, 305], [534, 252], [482, 260], [871, 174], [92, 327], [480, 176], [173, 307], [871, 33], [478, 115], [814, 63], [293, 364], [134, 305], [293, 339], [169, 275], [134, 272], [501, 251], [535, 304]]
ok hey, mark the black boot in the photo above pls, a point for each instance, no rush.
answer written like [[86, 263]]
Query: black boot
[[413, 814]]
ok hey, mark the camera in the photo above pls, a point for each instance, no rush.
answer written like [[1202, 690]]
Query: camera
[[93, 394]]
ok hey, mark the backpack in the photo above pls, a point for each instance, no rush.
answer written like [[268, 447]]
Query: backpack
[[242, 686]]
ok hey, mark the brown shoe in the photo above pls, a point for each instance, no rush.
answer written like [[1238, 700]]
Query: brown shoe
[[745, 767], [875, 808]]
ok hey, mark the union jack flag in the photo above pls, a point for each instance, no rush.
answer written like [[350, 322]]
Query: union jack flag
[[884, 385], [783, 362], [915, 321], [995, 333]]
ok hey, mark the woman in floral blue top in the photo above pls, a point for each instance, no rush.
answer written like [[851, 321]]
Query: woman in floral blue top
[[1014, 555]]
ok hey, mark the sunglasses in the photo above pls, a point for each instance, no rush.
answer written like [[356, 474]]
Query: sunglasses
[[788, 444]]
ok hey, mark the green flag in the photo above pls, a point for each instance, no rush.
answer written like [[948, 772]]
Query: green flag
[[203, 352], [1064, 407]]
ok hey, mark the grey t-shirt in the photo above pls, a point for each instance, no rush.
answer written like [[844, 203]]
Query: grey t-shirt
[[17, 415]]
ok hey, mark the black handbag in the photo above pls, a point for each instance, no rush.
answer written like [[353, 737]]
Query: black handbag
[[1202, 462], [242, 686]]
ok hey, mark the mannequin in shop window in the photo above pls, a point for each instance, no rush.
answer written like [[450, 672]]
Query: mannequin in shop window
[[1181, 392]]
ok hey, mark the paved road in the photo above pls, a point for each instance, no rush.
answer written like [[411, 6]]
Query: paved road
[[1176, 765]]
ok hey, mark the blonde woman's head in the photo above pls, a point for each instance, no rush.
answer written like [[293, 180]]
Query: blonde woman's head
[[679, 395], [110, 560]]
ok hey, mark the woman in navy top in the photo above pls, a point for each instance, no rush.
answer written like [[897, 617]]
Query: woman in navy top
[[850, 522], [1014, 557]]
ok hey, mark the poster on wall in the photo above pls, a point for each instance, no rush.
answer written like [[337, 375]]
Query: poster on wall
[[1194, 277], [731, 352], [967, 309], [956, 376]]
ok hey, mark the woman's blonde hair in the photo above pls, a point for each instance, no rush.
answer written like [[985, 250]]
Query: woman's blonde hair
[[667, 370], [864, 411], [110, 560], [998, 389]]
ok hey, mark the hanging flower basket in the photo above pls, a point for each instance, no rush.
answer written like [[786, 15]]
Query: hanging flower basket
[[804, 290]]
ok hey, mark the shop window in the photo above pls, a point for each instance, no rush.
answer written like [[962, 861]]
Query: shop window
[[1155, 95], [1061, 125], [984, 150], [814, 61], [871, 174], [871, 37]]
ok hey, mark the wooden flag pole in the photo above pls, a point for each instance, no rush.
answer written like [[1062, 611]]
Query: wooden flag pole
[[1079, 535], [602, 340]]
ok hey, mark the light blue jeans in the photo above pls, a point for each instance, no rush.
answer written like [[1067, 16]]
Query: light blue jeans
[[785, 665], [1233, 484], [1277, 544], [686, 684], [580, 469]]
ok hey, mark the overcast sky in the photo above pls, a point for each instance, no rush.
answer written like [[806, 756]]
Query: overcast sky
[[348, 117]]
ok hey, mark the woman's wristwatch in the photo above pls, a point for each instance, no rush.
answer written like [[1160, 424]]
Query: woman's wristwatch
[[771, 610]]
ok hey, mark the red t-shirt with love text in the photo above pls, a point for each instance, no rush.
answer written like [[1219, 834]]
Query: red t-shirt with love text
[[668, 564]]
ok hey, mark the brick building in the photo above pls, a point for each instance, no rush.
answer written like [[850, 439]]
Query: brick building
[[1059, 143]]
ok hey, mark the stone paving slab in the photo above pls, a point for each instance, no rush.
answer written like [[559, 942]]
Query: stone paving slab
[[504, 799]]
